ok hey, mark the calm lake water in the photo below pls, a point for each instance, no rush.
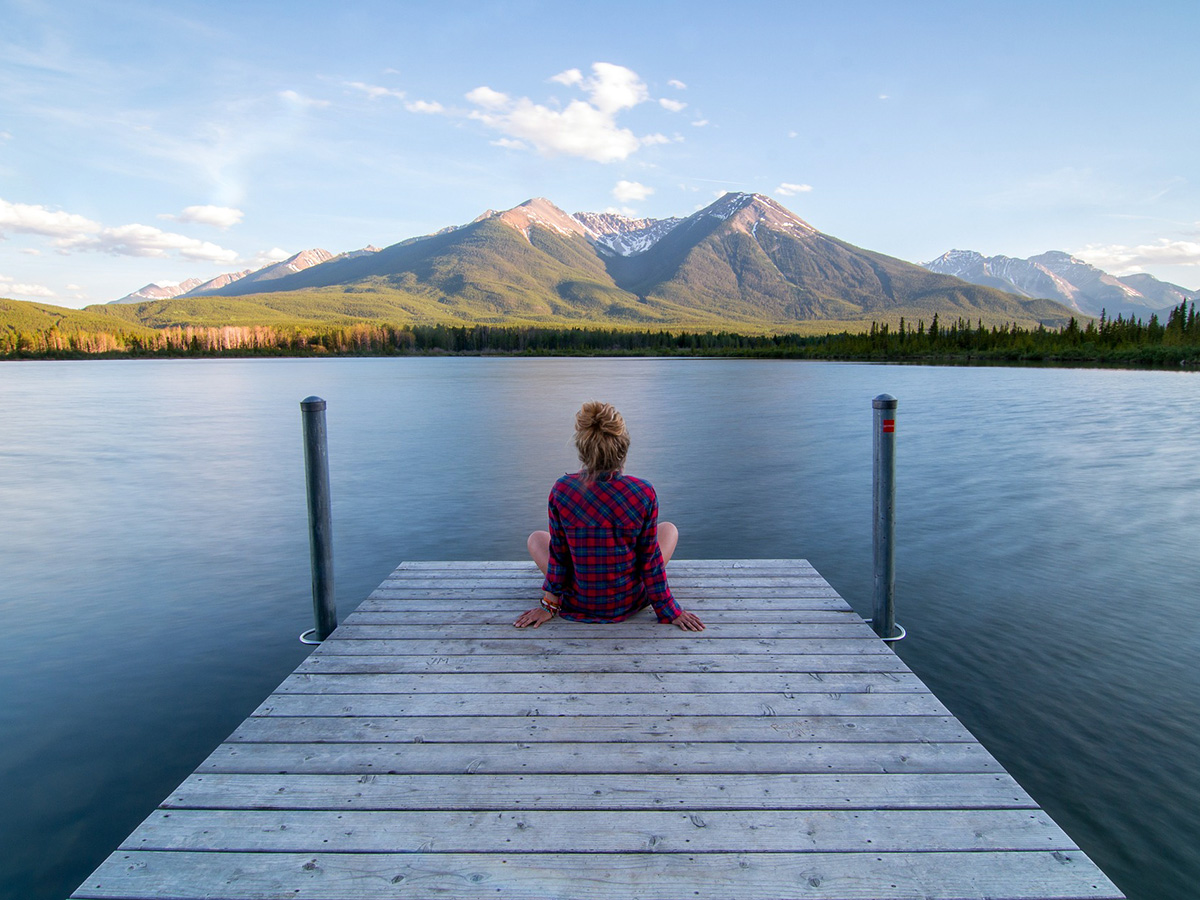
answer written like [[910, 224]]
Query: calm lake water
[[154, 558]]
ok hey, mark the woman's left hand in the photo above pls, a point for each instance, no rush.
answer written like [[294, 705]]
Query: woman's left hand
[[688, 622]]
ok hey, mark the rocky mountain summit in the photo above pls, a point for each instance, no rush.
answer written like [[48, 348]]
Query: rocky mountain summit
[[1071, 281]]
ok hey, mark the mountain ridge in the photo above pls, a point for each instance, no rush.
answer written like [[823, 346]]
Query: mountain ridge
[[1057, 275], [743, 261]]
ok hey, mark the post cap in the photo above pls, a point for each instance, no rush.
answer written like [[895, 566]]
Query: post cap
[[884, 401], [312, 403]]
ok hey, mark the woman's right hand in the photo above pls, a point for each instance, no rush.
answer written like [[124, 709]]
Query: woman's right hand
[[535, 617]]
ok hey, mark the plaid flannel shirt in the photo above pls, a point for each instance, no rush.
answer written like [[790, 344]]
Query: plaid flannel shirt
[[605, 562]]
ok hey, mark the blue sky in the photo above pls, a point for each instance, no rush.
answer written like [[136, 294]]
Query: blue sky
[[157, 141]]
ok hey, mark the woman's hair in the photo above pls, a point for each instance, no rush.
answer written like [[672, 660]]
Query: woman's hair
[[601, 438]]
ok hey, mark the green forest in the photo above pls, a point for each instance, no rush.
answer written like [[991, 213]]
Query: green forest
[[1120, 341]]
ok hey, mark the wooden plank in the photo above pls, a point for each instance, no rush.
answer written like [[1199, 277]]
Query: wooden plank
[[576, 757], [605, 683], [624, 729], [533, 590], [564, 629], [470, 581], [431, 600], [547, 660], [648, 876], [561, 704], [899, 790], [527, 565], [534, 641], [379, 612], [643, 831]]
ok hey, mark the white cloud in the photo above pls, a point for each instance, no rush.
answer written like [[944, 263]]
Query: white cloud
[[622, 211], [569, 77], [31, 251], [17, 289], [73, 232], [217, 216], [793, 134], [613, 88], [424, 106], [585, 129], [28, 219], [508, 144], [677, 84], [788, 189], [1122, 260], [146, 241], [5, 135], [631, 191], [651, 139], [487, 98], [296, 99], [884, 97], [672, 105], [74, 287], [375, 91], [700, 123]]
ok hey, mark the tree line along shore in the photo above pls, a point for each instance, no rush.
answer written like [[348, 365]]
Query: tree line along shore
[[1123, 342]]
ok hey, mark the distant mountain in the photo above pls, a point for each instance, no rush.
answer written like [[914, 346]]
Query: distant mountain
[[744, 261], [215, 284], [252, 282], [157, 291], [1059, 276], [1162, 293]]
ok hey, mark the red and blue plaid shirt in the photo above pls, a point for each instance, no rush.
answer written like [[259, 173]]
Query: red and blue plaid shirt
[[605, 562]]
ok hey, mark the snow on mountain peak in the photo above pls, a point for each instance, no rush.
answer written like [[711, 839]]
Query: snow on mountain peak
[[623, 235], [748, 211]]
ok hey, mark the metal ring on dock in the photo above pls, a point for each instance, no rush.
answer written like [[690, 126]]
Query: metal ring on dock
[[304, 637], [899, 637]]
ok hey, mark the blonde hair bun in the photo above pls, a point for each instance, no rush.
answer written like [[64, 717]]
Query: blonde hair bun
[[601, 437]]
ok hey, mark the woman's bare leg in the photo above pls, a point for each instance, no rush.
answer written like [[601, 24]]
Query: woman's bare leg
[[539, 548], [668, 540]]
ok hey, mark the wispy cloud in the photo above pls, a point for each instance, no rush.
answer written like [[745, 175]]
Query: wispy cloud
[[583, 128], [672, 105], [297, 99], [677, 84], [787, 189], [375, 91], [1122, 260], [217, 216]]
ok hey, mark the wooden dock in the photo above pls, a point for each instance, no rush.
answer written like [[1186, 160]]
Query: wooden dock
[[429, 749]]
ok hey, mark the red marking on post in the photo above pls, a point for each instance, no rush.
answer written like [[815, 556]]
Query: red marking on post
[[889, 426]]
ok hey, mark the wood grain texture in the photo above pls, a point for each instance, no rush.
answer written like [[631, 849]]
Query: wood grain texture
[[428, 748]]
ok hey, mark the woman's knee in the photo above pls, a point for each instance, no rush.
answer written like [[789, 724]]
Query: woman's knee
[[538, 546], [668, 539]]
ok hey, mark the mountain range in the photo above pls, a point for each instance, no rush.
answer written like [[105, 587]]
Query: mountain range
[[744, 261], [1071, 281]]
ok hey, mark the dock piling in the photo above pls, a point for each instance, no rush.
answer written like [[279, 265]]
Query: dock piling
[[320, 519], [884, 530]]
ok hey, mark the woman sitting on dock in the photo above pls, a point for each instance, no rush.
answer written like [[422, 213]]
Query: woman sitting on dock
[[605, 555]]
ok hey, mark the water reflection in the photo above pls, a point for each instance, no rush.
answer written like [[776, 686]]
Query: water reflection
[[155, 555]]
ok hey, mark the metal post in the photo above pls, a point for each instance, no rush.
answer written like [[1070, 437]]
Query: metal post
[[320, 518], [884, 620]]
